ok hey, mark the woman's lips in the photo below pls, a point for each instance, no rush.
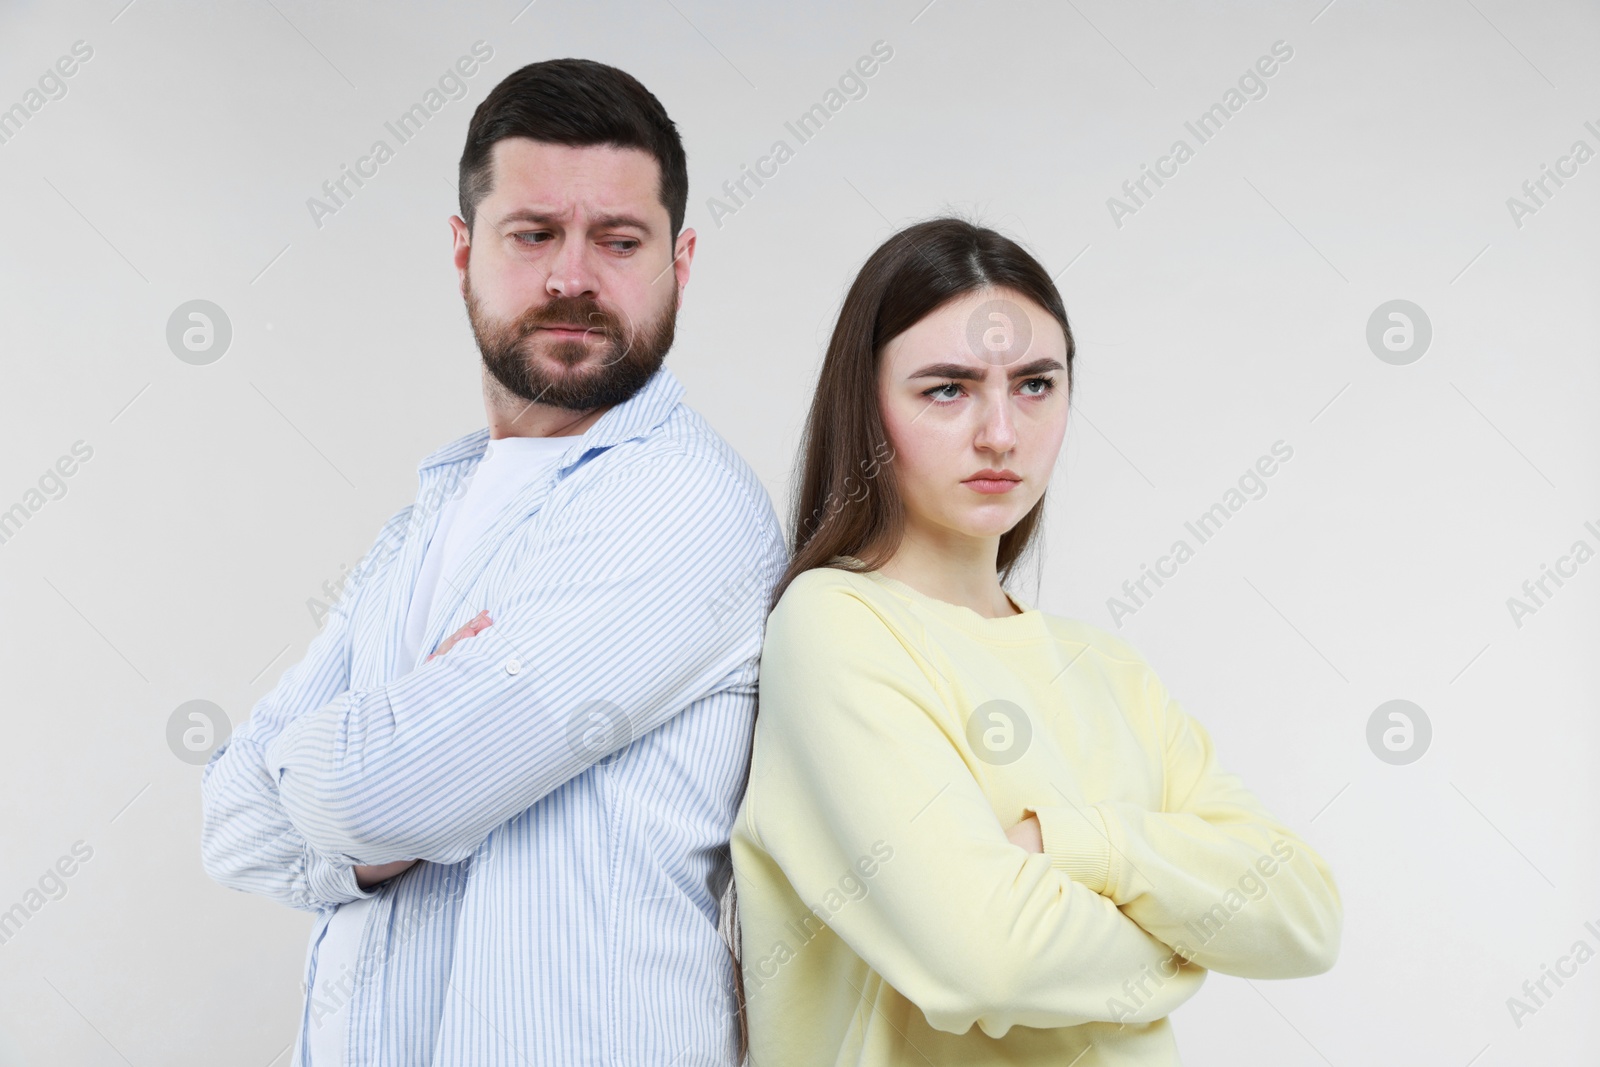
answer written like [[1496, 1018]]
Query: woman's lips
[[992, 485]]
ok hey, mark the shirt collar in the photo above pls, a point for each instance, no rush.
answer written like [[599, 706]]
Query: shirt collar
[[634, 417]]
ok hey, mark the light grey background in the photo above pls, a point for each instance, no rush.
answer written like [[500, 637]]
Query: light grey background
[[1227, 314]]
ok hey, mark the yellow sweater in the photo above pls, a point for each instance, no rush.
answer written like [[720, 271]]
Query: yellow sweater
[[885, 917]]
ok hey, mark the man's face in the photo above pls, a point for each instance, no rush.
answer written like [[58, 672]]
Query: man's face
[[570, 281]]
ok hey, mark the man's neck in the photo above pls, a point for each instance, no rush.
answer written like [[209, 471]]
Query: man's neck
[[512, 416]]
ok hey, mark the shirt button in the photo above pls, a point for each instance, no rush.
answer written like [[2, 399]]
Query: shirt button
[[513, 665]]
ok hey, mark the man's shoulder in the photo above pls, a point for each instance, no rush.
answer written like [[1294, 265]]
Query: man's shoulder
[[687, 445], [467, 446]]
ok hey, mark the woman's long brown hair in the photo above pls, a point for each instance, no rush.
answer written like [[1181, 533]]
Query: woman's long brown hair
[[849, 502]]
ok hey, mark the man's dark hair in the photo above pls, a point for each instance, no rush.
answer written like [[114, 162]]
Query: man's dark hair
[[575, 102]]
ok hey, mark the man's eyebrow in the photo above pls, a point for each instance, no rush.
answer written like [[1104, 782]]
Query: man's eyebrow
[[966, 372], [608, 222], [546, 218]]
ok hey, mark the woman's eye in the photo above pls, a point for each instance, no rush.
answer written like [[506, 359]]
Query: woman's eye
[[938, 393]]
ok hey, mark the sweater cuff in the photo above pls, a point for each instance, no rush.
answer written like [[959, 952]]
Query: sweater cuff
[[1075, 840]]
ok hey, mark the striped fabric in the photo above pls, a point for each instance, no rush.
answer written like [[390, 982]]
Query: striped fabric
[[570, 775]]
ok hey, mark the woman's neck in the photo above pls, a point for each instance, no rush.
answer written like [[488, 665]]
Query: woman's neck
[[964, 575]]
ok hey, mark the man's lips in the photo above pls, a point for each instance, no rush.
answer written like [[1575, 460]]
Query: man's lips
[[586, 336]]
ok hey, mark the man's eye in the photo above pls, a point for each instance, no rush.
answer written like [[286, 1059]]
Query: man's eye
[[624, 244], [530, 233]]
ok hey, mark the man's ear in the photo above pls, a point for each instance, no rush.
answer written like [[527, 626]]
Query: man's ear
[[460, 251], [682, 259]]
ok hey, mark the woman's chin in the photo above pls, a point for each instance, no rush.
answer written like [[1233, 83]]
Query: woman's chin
[[988, 521]]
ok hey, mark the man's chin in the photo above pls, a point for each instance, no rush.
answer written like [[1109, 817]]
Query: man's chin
[[567, 356]]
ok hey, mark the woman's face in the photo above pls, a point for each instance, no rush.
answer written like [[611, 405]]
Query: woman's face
[[974, 397]]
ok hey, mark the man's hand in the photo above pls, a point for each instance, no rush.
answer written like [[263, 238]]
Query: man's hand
[[367, 877], [478, 623]]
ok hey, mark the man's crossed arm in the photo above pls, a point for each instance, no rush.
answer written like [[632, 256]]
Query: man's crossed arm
[[624, 607], [616, 612], [246, 840]]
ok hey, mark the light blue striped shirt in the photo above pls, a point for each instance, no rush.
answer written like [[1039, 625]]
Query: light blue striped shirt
[[570, 774]]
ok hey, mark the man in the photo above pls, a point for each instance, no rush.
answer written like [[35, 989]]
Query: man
[[516, 844]]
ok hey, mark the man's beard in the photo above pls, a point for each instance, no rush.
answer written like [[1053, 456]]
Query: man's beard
[[622, 362]]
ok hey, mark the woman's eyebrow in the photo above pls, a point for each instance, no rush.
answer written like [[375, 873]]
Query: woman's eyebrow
[[967, 372]]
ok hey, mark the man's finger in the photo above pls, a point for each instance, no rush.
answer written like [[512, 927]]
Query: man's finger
[[477, 625]]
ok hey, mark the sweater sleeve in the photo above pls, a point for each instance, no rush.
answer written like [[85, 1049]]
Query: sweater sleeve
[[1213, 873], [856, 756]]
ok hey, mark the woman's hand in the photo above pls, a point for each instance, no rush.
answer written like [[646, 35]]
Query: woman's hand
[[1025, 835]]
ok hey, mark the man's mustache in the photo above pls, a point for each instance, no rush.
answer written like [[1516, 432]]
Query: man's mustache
[[592, 317]]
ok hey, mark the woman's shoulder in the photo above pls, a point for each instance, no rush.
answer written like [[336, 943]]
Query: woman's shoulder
[[825, 592], [1106, 647], [838, 614], [832, 631]]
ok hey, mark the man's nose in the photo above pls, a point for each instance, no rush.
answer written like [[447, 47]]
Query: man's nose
[[571, 270]]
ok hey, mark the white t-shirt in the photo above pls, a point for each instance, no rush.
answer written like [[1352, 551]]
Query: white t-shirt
[[509, 465]]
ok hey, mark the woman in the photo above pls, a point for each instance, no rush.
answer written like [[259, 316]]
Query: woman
[[975, 832]]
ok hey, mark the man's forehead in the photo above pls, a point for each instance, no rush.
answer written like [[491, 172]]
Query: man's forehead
[[559, 178]]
